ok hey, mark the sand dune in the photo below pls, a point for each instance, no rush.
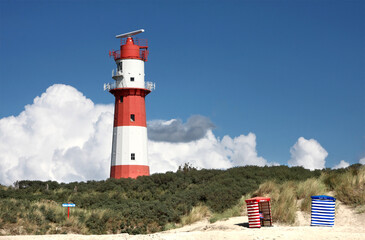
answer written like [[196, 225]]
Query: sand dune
[[348, 225]]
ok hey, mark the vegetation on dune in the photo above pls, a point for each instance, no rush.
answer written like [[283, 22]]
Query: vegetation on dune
[[161, 201], [308, 188], [348, 186], [237, 210], [196, 214], [284, 196]]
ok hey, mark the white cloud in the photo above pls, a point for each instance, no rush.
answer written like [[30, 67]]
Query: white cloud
[[308, 154], [362, 161], [207, 152], [64, 136], [61, 136], [342, 164]]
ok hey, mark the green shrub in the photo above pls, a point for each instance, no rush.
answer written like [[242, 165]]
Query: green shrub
[[81, 217], [143, 205], [96, 224], [51, 216], [42, 208], [237, 210], [35, 218], [9, 217]]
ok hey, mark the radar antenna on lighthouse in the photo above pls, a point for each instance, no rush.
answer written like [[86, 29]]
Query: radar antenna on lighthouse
[[130, 33], [129, 148]]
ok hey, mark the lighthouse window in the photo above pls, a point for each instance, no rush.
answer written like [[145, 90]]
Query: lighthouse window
[[120, 66], [133, 156], [132, 79], [121, 98], [132, 118]]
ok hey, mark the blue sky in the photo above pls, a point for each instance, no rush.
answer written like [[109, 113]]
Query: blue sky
[[279, 69]]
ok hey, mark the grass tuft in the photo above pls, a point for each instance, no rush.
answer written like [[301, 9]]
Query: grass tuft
[[350, 187], [284, 204], [169, 226], [308, 188], [283, 200], [197, 213]]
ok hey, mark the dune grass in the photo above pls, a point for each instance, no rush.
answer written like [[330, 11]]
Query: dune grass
[[46, 217], [308, 188], [350, 186], [201, 212], [196, 214], [284, 197], [285, 206]]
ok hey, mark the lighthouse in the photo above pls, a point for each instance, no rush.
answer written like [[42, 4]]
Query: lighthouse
[[129, 148]]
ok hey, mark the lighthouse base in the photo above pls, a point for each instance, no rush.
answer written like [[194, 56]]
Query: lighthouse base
[[129, 171]]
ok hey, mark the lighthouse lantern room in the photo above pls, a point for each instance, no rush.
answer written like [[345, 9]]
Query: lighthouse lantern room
[[129, 148]]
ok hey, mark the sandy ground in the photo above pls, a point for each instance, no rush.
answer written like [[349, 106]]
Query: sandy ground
[[348, 225]]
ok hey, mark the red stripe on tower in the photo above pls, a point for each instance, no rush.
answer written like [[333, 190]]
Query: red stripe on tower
[[129, 102], [129, 148]]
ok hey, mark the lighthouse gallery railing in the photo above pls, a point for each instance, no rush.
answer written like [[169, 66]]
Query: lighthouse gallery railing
[[148, 85]]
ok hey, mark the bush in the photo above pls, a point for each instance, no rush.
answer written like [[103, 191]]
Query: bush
[[96, 224], [51, 216], [239, 209], [9, 217], [35, 218], [143, 205]]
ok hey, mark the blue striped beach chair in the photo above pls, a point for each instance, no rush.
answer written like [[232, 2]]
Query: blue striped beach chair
[[323, 211]]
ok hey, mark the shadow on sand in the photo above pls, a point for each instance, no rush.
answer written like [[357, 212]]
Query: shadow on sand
[[242, 224]]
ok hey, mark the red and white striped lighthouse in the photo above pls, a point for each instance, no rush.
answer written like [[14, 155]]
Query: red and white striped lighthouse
[[129, 149]]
